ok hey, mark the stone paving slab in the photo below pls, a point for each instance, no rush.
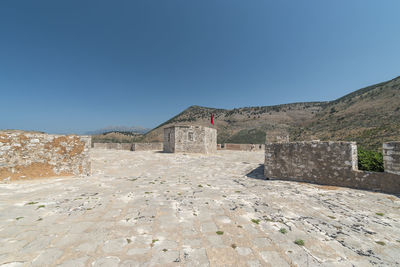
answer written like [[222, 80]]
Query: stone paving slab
[[157, 209]]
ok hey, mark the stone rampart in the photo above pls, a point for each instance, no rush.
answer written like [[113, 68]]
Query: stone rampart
[[158, 146], [391, 157], [117, 146], [26, 155], [243, 147], [328, 163], [130, 146]]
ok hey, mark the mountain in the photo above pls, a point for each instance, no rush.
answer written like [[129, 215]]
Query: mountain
[[243, 125], [133, 129], [369, 116]]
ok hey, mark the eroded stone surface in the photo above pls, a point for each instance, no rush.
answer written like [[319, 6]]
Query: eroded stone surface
[[149, 209]]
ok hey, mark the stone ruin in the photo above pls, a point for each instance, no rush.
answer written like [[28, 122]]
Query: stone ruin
[[331, 163], [190, 139], [26, 155]]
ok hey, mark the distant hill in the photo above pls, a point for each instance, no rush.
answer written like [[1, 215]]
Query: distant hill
[[243, 125], [132, 129], [369, 116]]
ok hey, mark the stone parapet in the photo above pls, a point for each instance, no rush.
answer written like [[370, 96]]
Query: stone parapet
[[130, 146], [243, 147], [157, 146], [25, 155], [328, 163], [391, 157]]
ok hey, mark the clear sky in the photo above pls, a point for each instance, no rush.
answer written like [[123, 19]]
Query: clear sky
[[72, 66]]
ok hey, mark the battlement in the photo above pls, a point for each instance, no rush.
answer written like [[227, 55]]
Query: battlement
[[130, 146], [331, 163]]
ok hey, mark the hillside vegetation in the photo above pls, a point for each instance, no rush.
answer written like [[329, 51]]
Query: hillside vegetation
[[368, 116], [243, 125]]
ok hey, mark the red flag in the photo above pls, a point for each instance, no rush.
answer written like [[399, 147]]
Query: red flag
[[212, 119]]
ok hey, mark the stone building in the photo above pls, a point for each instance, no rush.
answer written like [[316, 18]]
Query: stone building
[[191, 139]]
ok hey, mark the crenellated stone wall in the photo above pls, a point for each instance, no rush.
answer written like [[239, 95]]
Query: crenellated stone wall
[[329, 163], [242, 147], [391, 157], [118, 146], [26, 155], [158, 146], [130, 146]]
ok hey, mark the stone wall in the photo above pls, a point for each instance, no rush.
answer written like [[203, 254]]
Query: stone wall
[[26, 155], [158, 146], [191, 139], [243, 147], [210, 140], [391, 157], [117, 146], [328, 163], [169, 140], [130, 146]]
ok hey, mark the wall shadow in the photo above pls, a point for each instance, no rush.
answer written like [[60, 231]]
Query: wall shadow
[[257, 173]]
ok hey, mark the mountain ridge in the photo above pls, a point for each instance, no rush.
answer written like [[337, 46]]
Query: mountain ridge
[[370, 116]]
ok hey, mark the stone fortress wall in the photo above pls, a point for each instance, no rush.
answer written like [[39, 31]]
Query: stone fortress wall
[[331, 163], [391, 157], [190, 139], [26, 155], [241, 147], [130, 146], [117, 146], [147, 146]]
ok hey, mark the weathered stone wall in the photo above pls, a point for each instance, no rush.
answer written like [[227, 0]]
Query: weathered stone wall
[[100, 145], [391, 157], [130, 146], [244, 147], [117, 146], [210, 140], [329, 163], [191, 139], [169, 140], [147, 146], [182, 142], [25, 155]]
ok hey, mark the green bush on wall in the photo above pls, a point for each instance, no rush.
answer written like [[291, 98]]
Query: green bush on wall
[[370, 160]]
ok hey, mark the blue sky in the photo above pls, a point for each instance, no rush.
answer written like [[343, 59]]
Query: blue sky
[[72, 66]]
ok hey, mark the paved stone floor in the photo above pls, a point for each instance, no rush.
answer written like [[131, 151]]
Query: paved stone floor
[[156, 209]]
